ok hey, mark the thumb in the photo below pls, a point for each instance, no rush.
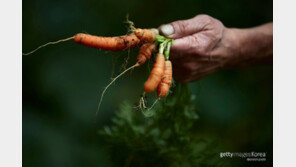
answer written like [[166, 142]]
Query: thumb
[[184, 28]]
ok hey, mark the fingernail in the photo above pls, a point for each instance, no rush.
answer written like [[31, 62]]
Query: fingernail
[[167, 29]]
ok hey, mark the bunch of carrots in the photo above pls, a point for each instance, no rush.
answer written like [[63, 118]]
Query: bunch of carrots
[[149, 41]]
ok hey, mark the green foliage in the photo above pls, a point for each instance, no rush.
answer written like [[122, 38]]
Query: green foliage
[[169, 138]]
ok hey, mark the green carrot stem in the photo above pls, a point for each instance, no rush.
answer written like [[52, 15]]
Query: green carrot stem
[[161, 47], [160, 38], [167, 51]]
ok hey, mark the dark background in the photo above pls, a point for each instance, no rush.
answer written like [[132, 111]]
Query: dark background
[[62, 83]]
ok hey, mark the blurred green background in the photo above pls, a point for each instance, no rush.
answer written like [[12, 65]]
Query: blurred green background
[[62, 83]]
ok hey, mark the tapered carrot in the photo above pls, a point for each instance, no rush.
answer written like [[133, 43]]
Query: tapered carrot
[[48, 43], [116, 43], [155, 74], [108, 43], [145, 52], [165, 84], [146, 35]]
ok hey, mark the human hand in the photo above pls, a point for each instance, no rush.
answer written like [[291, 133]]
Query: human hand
[[202, 46]]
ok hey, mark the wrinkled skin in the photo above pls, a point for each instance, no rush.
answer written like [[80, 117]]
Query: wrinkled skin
[[200, 48], [204, 45]]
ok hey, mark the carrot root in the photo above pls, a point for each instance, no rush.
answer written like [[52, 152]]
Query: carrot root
[[153, 104], [113, 80], [49, 43]]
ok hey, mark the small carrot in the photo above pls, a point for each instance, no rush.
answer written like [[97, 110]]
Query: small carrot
[[108, 43], [145, 52], [165, 84], [156, 74], [146, 35]]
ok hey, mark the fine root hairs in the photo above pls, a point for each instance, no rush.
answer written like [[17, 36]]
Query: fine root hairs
[[153, 104], [142, 103], [131, 25], [123, 66], [147, 112], [113, 80], [49, 43]]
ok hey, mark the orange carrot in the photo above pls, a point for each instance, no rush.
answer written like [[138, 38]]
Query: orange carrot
[[145, 52], [108, 43], [146, 35], [156, 74], [165, 84]]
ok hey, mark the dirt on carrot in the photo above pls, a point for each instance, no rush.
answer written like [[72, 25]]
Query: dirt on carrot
[[149, 41], [117, 43]]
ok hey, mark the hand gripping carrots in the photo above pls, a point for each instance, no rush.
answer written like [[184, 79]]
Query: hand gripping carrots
[[148, 40]]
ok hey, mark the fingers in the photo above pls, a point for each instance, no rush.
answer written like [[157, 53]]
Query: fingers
[[184, 28], [185, 45], [196, 44]]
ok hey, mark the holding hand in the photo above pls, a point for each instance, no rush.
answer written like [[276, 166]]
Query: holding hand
[[204, 45]]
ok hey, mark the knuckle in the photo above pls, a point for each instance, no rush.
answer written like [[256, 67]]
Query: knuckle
[[204, 16], [211, 21], [218, 22], [206, 20]]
